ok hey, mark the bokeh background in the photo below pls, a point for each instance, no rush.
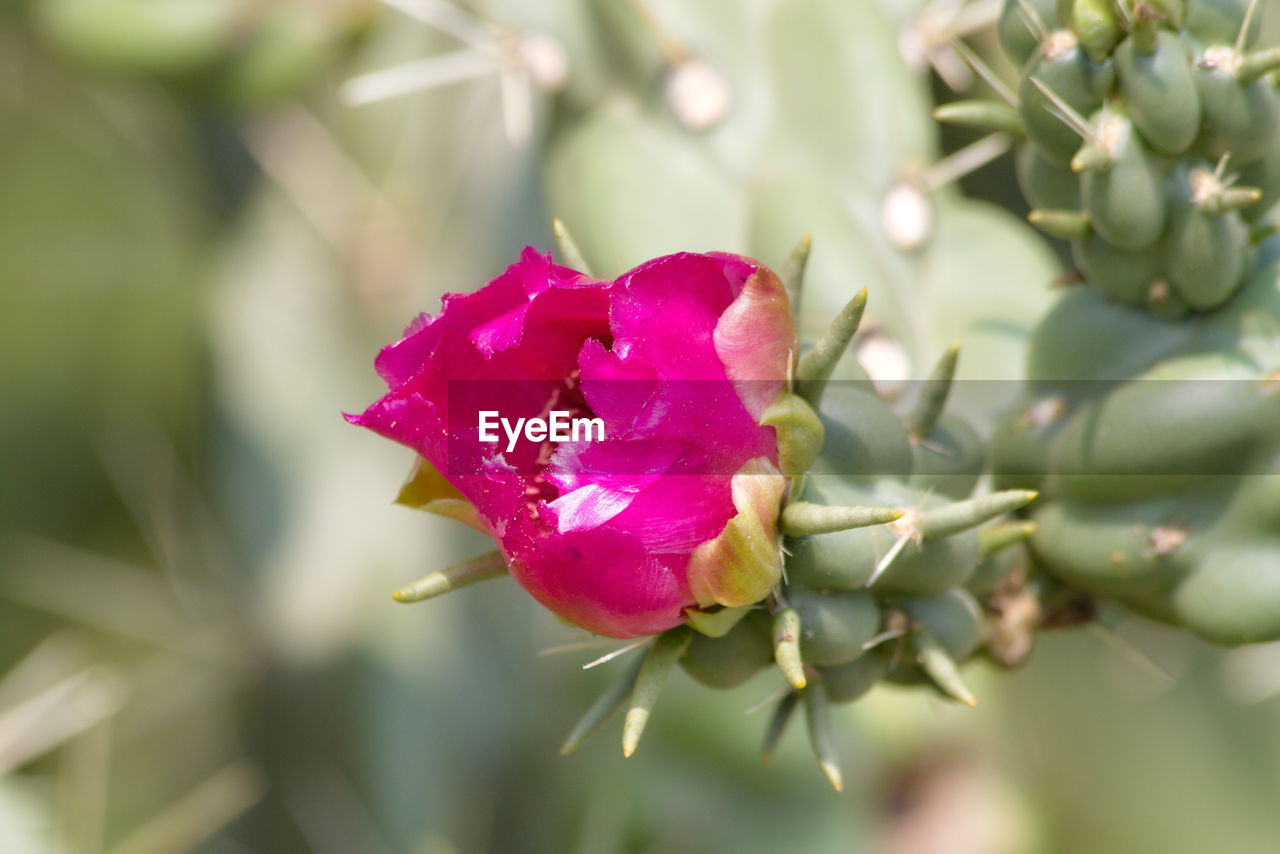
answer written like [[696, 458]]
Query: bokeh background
[[212, 215]]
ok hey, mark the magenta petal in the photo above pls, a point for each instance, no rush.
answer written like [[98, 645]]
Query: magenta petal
[[618, 388], [755, 339], [677, 512], [668, 312], [603, 580]]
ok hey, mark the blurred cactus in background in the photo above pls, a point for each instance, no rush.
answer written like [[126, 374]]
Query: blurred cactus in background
[[1155, 439], [233, 53], [216, 212]]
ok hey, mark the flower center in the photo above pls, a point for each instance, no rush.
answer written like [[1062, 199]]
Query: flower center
[[566, 397]]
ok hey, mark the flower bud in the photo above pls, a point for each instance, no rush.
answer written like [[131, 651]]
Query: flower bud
[[673, 503]]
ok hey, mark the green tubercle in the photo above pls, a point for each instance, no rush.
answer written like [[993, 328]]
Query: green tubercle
[[652, 675], [570, 254], [961, 515], [805, 519], [933, 395], [481, 568], [778, 721], [984, 115], [818, 717], [816, 366], [603, 709], [786, 647]]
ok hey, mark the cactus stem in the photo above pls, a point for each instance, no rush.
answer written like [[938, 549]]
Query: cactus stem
[[962, 515], [570, 254], [1067, 225], [602, 710], [982, 114], [818, 716], [652, 675], [984, 71], [481, 568], [969, 159], [933, 395], [816, 366], [806, 519], [1065, 112], [1002, 535], [1257, 65], [778, 725], [786, 647]]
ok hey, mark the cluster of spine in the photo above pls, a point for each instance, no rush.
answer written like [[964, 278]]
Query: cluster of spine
[[1151, 130], [1153, 143]]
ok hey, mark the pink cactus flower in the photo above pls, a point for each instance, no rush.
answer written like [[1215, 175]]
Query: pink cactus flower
[[678, 358]]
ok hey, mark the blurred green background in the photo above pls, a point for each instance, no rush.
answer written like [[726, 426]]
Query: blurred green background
[[212, 215]]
